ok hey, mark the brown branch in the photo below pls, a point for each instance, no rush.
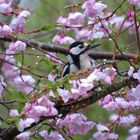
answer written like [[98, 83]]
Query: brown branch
[[136, 28], [64, 109], [94, 96], [94, 55]]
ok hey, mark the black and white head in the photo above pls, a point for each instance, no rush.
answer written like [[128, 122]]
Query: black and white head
[[79, 54], [79, 48]]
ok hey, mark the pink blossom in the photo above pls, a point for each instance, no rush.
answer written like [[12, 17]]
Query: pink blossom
[[18, 24], [10, 71], [127, 120], [114, 117], [2, 85], [24, 83], [52, 57], [15, 47], [93, 9], [81, 34], [111, 106], [23, 136], [5, 8], [64, 94], [2, 1], [24, 123], [132, 137], [76, 124], [101, 127], [105, 136], [24, 13], [62, 40], [118, 21], [51, 77], [105, 100], [135, 130], [131, 71], [94, 34], [53, 135], [130, 15], [135, 93], [134, 105], [41, 107], [5, 31], [136, 75], [96, 75], [109, 75], [62, 20], [120, 103], [117, 103], [81, 90], [134, 2], [14, 112], [75, 18]]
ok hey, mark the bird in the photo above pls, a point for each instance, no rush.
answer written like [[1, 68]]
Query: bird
[[78, 58]]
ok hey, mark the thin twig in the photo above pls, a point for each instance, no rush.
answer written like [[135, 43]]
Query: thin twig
[[136, 28]]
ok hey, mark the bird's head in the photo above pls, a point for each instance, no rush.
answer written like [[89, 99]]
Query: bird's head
[[78, 48]]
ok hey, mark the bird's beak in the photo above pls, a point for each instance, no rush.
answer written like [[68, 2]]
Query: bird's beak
[[89, 47]]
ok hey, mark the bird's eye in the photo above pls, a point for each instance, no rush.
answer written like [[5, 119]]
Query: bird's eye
[[81, 46]]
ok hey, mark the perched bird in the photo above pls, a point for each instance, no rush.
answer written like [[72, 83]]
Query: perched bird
[[78, 58]]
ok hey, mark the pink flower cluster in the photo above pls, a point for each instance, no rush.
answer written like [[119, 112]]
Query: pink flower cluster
[[93, 8], [5, 6], [18, 23], [80, 88], [33, 111], [62, 40], [12, 74], [129, 102], [134, 133], [76, 123], [73, 19], [96, 21], [53, 135], [104, 134], [5, 31], [123, 120], [134, 2], [23, 136]]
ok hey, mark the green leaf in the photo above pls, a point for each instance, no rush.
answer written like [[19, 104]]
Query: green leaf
[[12, 119], [48, 27], [110, 25], [48, 62], [138, 19]]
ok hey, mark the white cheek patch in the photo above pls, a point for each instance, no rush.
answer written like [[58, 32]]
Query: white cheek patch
[[76, 50]]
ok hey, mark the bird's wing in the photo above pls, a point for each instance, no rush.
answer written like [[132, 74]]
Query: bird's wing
[[66, 70], [93, 62]]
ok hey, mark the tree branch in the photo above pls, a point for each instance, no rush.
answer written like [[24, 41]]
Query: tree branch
[[45, 47], [93, 97]]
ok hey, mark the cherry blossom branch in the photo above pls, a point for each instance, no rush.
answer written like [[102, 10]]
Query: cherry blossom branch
[[94, 96], [94, 55], [97, 20], [73, 106]]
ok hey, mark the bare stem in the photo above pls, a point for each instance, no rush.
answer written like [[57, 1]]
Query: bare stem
[[136, 28]]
